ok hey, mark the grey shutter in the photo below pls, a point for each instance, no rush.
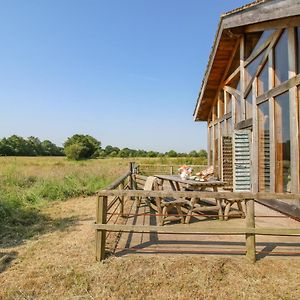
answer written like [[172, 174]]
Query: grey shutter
[[242, 161]]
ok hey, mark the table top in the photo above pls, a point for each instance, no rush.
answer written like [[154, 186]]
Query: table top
[[191, 182]]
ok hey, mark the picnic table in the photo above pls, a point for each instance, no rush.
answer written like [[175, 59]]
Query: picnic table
[[178, 184]]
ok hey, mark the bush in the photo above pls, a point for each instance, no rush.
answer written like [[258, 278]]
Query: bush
[[81, 146], [76, 151]]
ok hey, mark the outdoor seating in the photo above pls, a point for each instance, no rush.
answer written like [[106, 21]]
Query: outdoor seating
[[163, 206]]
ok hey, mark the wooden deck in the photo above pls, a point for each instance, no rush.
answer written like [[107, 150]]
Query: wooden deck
[[153, 243]]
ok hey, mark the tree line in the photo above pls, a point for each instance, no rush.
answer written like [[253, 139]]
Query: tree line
[[78, 147]]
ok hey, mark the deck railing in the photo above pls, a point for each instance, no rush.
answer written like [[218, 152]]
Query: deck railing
[[164, 169], [129, 186]]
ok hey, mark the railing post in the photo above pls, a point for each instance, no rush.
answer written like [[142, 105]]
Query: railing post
[[250, 237], [121, 211], [171, 170], [101, 234], [131, 169]]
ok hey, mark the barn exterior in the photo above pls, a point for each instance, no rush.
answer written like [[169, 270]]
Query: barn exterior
[[250, 98]]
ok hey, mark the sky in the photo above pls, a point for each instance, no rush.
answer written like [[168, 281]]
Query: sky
[[127, 72]]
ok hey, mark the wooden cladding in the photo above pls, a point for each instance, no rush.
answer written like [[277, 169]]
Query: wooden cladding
[[227, 171]]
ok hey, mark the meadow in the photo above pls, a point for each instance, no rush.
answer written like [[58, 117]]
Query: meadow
[[28, 184]]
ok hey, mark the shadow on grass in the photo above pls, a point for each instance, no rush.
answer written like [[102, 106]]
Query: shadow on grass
[[6, 259], [29, 223]]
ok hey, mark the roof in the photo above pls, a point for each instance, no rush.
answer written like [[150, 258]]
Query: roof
[[230, 27]]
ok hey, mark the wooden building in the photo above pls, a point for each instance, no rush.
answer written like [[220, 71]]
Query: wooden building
[[250, 97]]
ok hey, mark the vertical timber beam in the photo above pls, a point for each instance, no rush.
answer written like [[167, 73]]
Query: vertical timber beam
[[213, 136], [254, 168], [225, 111], [121, 210], [242, 78], [294, 121], [101, 234], [272, 123], [209, 144], [250, 237]]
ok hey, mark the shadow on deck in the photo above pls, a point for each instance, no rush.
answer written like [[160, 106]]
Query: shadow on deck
[[166, 243]]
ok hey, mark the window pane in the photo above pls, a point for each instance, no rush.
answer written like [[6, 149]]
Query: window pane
[[263, 147], [229, 126], [228, 105], [238, 110], [283, 143], [281, 59], [249, 105], [252, 68], [263, 80], [263, 38]]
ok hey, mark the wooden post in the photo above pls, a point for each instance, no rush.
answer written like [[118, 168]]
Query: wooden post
[[101, 234], [171, 170], [121, 211], [131, 166], [250, 237], [294, 118]]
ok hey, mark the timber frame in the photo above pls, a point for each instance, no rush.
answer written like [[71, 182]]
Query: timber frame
[[232, 93]]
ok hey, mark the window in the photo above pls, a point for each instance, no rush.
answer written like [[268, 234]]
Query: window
[[249, 105], [238, 110], [283, 143], [266, 34], [229, 126], [263, 80], [281, 63], [228, 105], [263, 147], [252, 68]]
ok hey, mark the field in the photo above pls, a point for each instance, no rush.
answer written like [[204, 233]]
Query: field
[[49, 245]]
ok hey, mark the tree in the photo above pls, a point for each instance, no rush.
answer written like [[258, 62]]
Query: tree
[[87, 146], [203, 153], [171, 153], [50, 149], [35, 145], [76, 151], [193, 153]]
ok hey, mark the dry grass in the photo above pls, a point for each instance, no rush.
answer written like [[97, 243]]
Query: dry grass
[[60, 264]]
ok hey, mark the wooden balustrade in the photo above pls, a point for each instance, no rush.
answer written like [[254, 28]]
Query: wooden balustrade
[[130, 186]]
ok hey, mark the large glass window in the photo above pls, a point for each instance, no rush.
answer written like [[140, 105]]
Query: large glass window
[[263, 147], [249, 105], [281, 59], [252, 68], [266, 34], [283, 143], [263, 80]]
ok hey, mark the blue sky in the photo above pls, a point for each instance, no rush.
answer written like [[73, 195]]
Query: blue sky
[[127, 72]]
